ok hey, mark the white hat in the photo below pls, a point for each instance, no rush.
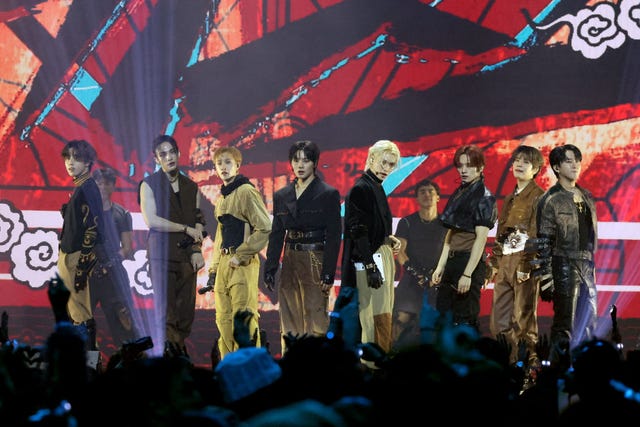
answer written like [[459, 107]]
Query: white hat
[[245, 371]]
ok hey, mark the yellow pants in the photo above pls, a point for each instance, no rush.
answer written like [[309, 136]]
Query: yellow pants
[[376, 305], [79, 305], [236, 289]]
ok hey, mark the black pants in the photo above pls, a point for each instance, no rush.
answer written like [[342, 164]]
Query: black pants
[[109, 287], [575, 309], [463, 308]]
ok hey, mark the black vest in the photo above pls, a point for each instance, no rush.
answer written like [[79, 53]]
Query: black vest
[[176, 207]]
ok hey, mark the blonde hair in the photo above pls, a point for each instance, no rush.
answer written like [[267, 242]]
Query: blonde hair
[[232, 151], [380, 147]]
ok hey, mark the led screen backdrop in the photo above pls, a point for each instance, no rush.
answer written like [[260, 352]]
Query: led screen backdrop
[[260, 74]]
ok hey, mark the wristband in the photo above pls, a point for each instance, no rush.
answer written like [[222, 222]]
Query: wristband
[[184, 230], [466, 275]]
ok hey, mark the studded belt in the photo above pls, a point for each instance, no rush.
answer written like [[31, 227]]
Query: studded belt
[[304, 246], [309, 235]]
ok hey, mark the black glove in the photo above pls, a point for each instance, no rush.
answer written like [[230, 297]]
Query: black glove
[[542, 273], [270, 281], [546, 287], [418, 273], [211, 283], [374, 278], [85, 265], [541, 246]]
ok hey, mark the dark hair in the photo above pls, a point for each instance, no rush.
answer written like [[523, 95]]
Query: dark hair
[[82, 151], [309, 148], [426, 183], [530, 154], [105, 174], [163, 138], [476, 157], [559, 155]]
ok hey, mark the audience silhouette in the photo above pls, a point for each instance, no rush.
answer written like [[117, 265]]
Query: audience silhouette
[[319, 381]]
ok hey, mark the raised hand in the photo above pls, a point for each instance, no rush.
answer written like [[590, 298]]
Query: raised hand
[[58, 297], [505, 346], [523, 351], [241, 333]]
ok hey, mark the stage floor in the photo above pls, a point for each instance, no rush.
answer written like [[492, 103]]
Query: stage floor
[[32, 325]]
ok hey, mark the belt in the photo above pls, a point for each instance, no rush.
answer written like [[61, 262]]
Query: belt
[[458, 253], [304, 246], [299, 235], [228, 251]]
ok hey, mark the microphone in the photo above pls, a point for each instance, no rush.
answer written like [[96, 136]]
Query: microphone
[[210, 284], [188, 241], [203, 290]]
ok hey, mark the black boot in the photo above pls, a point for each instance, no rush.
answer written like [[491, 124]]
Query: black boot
[[171, 349]]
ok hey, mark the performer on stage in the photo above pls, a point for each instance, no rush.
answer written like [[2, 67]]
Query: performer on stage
[[243, 231], [307, 222], [110, 284], [422, 236], [170, 205], [469, 215], [369, 245], [568, 227]]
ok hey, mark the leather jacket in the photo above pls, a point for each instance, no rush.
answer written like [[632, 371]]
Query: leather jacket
[[469, 206], [557, 218]]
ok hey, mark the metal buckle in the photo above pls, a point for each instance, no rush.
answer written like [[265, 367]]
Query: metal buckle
[[295, 234]]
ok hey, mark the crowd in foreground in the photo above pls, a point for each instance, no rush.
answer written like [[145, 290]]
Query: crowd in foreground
[[318, 381]]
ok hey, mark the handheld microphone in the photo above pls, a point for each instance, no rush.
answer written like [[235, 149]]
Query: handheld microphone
[[203, 290], [210, 284]]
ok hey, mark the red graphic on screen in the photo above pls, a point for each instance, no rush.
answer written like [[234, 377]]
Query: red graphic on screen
[[257, 75]]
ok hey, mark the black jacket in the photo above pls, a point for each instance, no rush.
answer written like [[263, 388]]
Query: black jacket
[[470, 206], [318, 208], [367, 222]]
